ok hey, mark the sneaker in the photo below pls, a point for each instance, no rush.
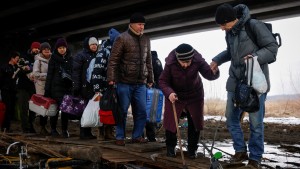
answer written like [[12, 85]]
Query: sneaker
[[120, 142], [254, 164], [239, 157], [139, 140]]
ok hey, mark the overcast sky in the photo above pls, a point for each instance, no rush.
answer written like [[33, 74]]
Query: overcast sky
[[284, 73]]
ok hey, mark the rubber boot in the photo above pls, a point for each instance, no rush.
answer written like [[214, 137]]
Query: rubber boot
[[101, 134], [109, 132]]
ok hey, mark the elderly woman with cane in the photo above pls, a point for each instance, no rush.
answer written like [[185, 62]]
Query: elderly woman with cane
[[183, 89]]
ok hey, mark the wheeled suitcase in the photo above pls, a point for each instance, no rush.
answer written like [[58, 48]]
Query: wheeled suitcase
[[42, 105], [154, 105]]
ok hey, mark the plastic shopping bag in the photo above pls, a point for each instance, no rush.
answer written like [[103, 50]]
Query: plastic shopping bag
[[259, 82], [90, 116]]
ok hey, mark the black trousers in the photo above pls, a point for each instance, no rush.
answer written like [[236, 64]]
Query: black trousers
[[193, 136], [64, 118], [27, 116]]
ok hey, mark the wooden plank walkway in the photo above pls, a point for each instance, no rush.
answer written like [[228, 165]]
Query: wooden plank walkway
[[150, 155]]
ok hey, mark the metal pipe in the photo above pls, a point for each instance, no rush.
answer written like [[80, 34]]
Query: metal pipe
[[8, 148]]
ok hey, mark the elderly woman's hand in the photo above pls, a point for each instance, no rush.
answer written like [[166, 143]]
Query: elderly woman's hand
[[173, 97]]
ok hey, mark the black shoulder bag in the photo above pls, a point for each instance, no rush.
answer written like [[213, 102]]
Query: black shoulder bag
[[109, 101], [245, 96]]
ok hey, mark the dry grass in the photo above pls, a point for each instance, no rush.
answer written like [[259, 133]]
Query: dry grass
[[278, 108]]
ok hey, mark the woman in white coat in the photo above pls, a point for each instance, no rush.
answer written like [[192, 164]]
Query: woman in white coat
[[40, 69]]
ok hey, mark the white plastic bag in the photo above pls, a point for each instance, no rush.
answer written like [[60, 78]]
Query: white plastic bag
[[259, 82], [90, 116]]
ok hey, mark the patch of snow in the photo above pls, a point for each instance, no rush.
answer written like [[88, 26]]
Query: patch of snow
[[278, 120]]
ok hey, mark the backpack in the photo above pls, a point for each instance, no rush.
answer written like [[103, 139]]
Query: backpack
[[253, 37]]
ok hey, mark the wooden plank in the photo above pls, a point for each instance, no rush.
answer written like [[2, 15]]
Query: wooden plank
[[149, 147], [117, 156]]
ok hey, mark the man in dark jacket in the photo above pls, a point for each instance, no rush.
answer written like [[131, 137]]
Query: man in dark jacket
[[239, 48], [130, 67], [26, 88], [181, 83], [8, 74]]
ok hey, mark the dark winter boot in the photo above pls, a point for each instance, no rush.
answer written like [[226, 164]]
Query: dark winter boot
[[54, 133], [81, 135], [86, 133], [101, 134], [44, 131], [171, 141], [109, 132], [192, 154], [65, 134], [193, 138], [171, 152]]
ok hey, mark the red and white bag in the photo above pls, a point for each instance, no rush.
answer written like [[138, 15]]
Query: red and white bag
[[42, 105]]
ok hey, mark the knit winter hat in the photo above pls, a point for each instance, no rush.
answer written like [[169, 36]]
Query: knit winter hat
[[137, 18], [35, 45], [93, 40], [45, 45], [61, 42], [225, 13], [184, 52]]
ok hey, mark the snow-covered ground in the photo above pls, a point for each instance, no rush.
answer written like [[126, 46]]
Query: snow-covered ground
[[289, 120]]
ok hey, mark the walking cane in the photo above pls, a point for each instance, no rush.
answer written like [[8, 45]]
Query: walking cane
[[179, 136]]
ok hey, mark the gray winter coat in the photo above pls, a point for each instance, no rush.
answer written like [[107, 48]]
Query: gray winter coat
[[240, 45]]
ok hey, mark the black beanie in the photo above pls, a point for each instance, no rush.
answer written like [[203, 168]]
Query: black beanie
[[61, 42], [225, 13], [184, 52], [137, 18]]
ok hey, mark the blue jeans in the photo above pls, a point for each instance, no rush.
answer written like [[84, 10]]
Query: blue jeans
[[136, 96], [256, 139]]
